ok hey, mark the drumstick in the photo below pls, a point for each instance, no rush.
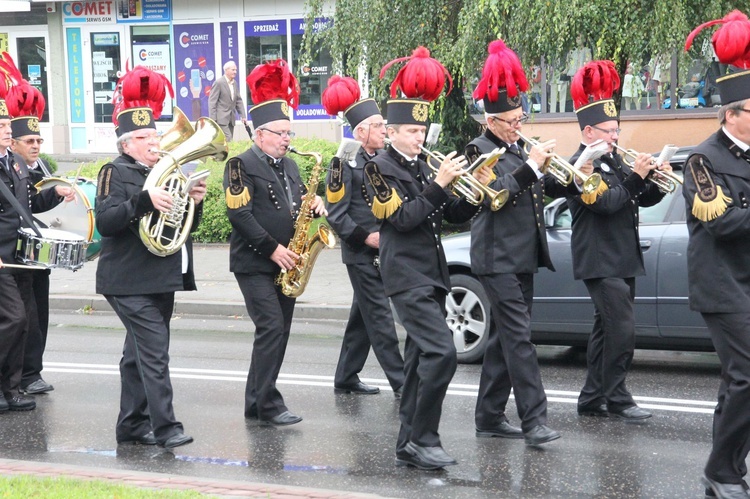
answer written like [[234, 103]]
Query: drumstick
[[16, 266]]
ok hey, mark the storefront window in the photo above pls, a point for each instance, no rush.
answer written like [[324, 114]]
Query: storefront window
[[264, 41], [105, 59], [32, 63], [313, 74], [151, 49]]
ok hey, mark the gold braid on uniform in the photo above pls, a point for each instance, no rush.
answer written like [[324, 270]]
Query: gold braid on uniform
[[591, 197], [236, 194], [386, 200], [710, 201], [102, 182], [335, 189]]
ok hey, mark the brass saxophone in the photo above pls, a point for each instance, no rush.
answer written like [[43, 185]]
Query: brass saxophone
[[294, 281]]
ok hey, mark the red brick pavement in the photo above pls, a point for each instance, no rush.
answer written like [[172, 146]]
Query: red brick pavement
[[223, 488]]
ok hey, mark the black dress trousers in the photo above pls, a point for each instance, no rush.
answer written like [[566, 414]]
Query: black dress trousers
[[146, 394], [510, 349], [36, 340], [15, 298], [271, 311], [429, 363], [370, 312]]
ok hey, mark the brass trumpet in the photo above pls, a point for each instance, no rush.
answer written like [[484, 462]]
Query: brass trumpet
[[665, 181], [469, 187], [564, 172]]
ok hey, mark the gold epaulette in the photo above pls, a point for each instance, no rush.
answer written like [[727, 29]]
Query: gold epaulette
[[386, 200], [103, 180], [590, 198], [709, 201], [335, 189], [236, 194]]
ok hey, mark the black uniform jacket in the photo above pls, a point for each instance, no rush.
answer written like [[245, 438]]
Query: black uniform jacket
[[351, 216], [411, 253], [125, 266], [718, 173], [267, 218], [20, 183], [605, 241], [512, 240]]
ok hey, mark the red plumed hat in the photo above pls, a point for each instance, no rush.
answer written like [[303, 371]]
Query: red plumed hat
[[731, 43], [342, 95], [139, 99], [502, 79], [273, 88], [592, 88], [9, 77], [422, 77], [24, 103]]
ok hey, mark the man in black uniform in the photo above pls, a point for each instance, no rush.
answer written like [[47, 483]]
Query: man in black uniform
[[605, 246], [17, 192], [350, 215], [263, 194], [138, 284], [717, 185], [411, 205], [26, 145], [507, 248]]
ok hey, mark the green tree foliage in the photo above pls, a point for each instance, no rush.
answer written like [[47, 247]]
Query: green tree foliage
[[369, 33]]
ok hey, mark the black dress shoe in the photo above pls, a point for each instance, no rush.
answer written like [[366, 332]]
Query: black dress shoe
[[38, 386], [147, 439], [21, 403], [424, 458], [540, 434], [284, 419], [3, 403], [358, 387], [503, 430], [176, 440], [724, 490], [398, 392], [633, 413], [593, 410]]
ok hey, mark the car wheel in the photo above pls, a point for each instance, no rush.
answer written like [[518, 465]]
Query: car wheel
[[468, 315]]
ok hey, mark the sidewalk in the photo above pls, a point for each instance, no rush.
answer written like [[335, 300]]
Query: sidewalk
[[328, 294], [219, 488]]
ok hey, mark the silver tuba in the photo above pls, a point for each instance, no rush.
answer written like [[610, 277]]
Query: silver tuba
[[165, 233]]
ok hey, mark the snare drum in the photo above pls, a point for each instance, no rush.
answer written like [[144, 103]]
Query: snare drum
[[77, 216], [55, 249]]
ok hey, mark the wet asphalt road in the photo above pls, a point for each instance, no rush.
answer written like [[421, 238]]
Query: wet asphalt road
[[346, 442]]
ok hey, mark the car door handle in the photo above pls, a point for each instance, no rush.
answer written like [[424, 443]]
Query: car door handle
[[645, 245]]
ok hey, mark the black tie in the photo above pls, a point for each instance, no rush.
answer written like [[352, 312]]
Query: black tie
[[514, 149], [4, 161]]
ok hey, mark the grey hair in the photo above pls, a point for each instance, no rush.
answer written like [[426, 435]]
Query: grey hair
[[229, 63], [730, 108], [125, 137]]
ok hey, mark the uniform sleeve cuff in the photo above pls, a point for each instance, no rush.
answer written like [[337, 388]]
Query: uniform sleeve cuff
[[525, 175], [634, 184], [357, 237], [435, 194], [268, 246]]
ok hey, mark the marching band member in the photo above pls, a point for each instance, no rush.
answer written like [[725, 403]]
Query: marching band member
[[17, 192], [507, 248], [349, 214], [716, 188], [263, 195], [139, 285], [605, 246], [411, 205]]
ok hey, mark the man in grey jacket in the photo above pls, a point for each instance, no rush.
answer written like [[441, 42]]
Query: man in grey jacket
[[225, 101]]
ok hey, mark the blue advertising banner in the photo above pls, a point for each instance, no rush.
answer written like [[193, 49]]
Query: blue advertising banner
[[195, 67], [265, 28], [136, 11], [229, 38], [75, 75]]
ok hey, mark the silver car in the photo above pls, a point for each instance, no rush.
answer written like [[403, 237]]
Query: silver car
[[563, 313]]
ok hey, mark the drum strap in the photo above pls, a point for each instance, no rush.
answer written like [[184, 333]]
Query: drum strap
[[24, 213]]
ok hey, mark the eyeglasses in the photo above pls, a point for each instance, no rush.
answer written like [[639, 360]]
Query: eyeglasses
[[743, 109], [146, 137], [523, 119], [376, 126], [610, 131], [283, 134], [29, 142]]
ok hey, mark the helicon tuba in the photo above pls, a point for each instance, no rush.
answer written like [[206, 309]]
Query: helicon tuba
[[307, 246], [165, 233]]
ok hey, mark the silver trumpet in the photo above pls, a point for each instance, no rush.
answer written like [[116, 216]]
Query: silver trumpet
[[469, 187], [563, 171], [664, 180]]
